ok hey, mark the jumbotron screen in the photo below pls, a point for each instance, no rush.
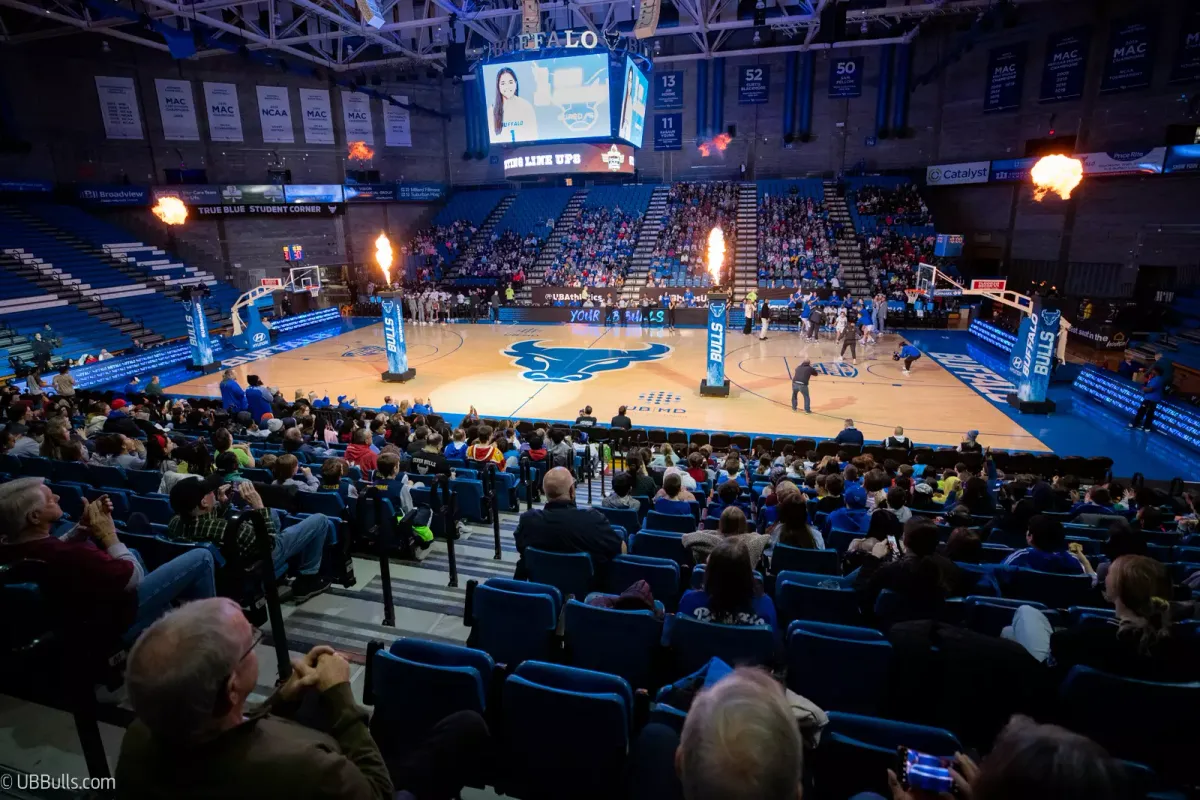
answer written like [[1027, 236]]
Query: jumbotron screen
[[633, 105], [548, 99]]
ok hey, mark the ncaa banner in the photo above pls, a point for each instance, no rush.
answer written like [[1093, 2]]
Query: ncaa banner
[[754, 85], [356, 115], [1130, 59], [948, 174], [668, 131], [177, 110], [397, 124], [1186, 66], [275, 115], [224, 114], [317, 115], [668, 89], [845, 77], [1005, 76], [1128, 162], [1065, 65], [119, 108]]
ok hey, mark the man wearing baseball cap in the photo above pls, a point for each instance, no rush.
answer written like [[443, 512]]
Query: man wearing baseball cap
[[203, 514], [119, 420]]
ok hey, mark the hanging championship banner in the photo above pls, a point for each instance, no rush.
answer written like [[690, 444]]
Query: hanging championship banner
[[1130, 58], [1186, 66], [531, 17], [668, 131], [177, 109], [317, 115], [647, 19], [668, 89], [754, 85], [224, 114], [845, 77], [356, 115], [1065, 65], [275, 115], [1005, 75], [119, 108], [397, 130]]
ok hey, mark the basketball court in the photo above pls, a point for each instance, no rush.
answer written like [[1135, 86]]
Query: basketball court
[[550, 372]]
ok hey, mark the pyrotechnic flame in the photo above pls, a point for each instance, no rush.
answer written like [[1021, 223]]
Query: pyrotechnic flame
[[716, 253], [717, 143], [170, 210], [1058, 174], [360, 152], [383, 256]]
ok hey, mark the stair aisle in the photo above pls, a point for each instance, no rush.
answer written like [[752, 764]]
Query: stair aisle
[[853, 276], [745, 255], [482, 236], [639, 263], [553, 246]]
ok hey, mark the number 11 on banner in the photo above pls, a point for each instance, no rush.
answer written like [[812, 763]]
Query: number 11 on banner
[[668, 131]]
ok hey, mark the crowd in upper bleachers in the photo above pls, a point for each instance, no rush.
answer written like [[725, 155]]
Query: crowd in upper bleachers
[[596, 251], [438, 246], [693, 210], [899, 205], [796, 242], [504, 255], [892, 260]]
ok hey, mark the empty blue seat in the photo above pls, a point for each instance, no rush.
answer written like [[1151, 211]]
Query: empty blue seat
[[839, 666], [143, 481], [156, 509], [330, 504], [857, 751], [1056, 591], [565, 732], [70, 498], [515, 620], [36, 466], [615, 641], [661, 573], [677, 523], [1076, 613], [106, 476], [840, 540], [693, 643], [821, 598], [801, 559], [627, 518], [417, 683], [468, 499], [990, 615], [571, 573]]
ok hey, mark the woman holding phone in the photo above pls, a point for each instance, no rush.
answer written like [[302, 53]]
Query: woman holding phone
[[512, 116]]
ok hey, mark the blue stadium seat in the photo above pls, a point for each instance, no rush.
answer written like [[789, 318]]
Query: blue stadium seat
[[119, 498], [70, 498], [144, 481], [820, 598], [693, 643], [330, 504], [990, 615], [107, 477], [661, 544], [857, 751], [840, 540], [39, 467], [615, 641], [676, 523], [515, 620], [839, 666], [156, 509], [571, 573], [785, 557], [1056, 591], [565, 733], [418, 683], [661, 573], [627, 518]]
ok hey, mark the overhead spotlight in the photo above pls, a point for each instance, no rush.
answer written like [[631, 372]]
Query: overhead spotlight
[[757, 37]]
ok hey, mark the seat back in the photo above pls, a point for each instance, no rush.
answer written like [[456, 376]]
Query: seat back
[[570, 573], [837, 666], [107, 477], [330, 504], [676, 523], [515, 620], [661, 573], [990, 615], [857, 751], [627, 518], [609, 640], [157, 509], [801, 559], [1056, 591], [829, 600], [659, 544], [144, 481], [693, 643], [37, 466]]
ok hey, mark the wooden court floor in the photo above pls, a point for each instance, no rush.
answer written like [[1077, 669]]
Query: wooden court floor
[[551, 372]]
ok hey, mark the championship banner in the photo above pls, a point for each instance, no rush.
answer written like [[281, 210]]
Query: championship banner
[[397, 124], [275, 115], [668, 89], [715, 367], [845, 77], [1186, 66], [754, 85], [531, 17], [177, 109], [1065, 65], [119, 108], [1032, 357], [668, 131], [1130, 59], [1005, 76], [647, 19], [197, 333], [224, 113], [356, 115], [317, 116]]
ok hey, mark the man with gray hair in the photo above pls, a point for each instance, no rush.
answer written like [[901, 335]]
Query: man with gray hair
[[94, 585], [740, 741]]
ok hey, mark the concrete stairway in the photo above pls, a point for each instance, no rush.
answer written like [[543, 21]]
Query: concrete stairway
[[853, 275], [639, 262], [482, 236], [566, 222], [745, 254]]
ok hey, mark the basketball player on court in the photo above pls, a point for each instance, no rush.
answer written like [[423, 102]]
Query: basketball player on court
[[847, 334]]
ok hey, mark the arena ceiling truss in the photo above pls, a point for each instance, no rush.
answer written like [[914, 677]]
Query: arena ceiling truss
[[413, 39]]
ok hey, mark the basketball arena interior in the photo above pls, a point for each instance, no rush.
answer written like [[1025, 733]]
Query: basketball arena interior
[[572, 399]]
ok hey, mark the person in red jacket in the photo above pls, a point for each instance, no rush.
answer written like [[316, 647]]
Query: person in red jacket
[[359, 450]]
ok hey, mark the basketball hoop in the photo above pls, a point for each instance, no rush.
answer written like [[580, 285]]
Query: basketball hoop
[[313, 290]]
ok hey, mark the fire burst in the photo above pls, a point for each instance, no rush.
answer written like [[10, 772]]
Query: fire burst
[[716, 254], [717, 143], [170, 210], [1058, 174], [360, 152], [383, 256]]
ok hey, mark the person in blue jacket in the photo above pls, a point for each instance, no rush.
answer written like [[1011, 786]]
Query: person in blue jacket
[[258, 398], [909, 354], [853, 517], [424, 407], [133, 387], [1152, 394], [388, 406], [232, 396]]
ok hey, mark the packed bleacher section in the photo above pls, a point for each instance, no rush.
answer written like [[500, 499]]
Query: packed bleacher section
[[796, 239], [597, 250], [517, 237], [435, 248], [898, 205], [907, 596], [892, 260], [693, 210]]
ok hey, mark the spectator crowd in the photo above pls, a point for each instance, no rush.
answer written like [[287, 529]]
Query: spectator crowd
[[796, 243], [596, 251], [901, 205], [693, 210]]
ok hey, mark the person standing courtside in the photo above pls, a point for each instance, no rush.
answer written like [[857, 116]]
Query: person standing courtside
[[1152, 395], [800, 380], [764, 316], [748, 315]]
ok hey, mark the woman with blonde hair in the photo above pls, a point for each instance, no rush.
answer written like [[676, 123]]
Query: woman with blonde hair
[[732, 524], [665, 458]]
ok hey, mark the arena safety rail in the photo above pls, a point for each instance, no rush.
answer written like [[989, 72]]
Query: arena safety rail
[[306, 320], [1110, 389], [122, 367], [993, 335]]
